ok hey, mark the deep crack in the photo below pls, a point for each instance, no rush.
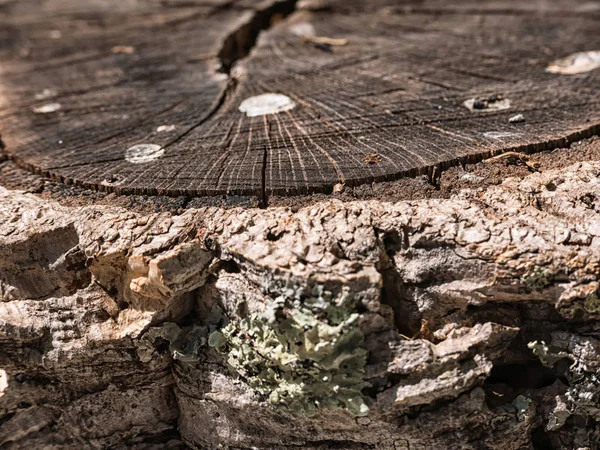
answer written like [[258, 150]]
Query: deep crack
[[239, 43]]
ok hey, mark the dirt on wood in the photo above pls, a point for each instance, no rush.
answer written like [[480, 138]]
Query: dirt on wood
[[451, 181]]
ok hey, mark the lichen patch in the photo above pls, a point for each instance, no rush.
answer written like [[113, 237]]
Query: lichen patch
[[264, 104], [302, 357], [581, 62], [143, 153]]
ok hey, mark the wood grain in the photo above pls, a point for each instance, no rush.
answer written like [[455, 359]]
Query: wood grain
[[82, 82]]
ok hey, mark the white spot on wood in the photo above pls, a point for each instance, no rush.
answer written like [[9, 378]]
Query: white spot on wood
[[303, 29], [165, 128], [55, 34], [47, 108], [588, 7], [143, 153], [481, 105], [45, 94], [123, 49], [517, 119], [263, 104], [581, 62], [339, 188], [472, 178], [3, 382], [500, 135]]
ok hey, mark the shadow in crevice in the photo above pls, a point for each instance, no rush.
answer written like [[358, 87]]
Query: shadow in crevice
[[540, 439], [239, 43], [528, 375], [407, 318]]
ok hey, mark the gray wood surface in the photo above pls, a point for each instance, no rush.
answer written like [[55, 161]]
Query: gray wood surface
[[378, 89]]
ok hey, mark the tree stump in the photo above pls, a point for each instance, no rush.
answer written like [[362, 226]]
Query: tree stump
[[316, 224]]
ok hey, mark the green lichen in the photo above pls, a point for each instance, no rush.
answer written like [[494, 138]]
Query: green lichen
[[539, 279], [302, 356], [519, 406], [587, 307], [583, 394], [591, 304], [184, 344], [547, 354]]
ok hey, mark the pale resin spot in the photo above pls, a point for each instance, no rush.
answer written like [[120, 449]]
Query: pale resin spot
[[588, 7], [165, 128], [47, 108], [471, 178], [143, 153], [500, 135], [303, 29], [45, 94], [123, 49], [517, 118], [491, 104], [264, 104], [581, 62]]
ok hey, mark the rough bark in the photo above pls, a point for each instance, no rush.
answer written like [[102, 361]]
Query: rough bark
[[474, 321]]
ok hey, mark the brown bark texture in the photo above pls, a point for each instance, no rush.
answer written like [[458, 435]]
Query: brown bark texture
[[477, 318]]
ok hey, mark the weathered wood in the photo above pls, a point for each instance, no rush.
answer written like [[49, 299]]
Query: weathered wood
[[465, 320], [81, 83]]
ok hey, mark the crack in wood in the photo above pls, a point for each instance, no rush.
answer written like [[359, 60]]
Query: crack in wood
[[240, 42], [264, 200]]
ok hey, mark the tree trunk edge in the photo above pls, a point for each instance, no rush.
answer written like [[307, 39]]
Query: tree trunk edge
[[479, 315]]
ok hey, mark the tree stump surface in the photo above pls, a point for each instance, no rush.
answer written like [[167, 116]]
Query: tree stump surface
[[459, 309], [167, 97]]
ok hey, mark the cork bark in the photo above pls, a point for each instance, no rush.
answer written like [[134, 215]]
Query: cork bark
[[477, 317]]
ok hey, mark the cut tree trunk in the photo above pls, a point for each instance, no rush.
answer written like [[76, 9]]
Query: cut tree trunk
[[314, 224], [146, 97]]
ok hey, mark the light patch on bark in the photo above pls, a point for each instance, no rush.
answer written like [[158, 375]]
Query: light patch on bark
[[478, 105], [581, 62], [3, 382], [264, 104], [47, 108], [143, 153]]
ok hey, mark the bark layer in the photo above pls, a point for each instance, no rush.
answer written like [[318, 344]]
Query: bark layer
[[472, 321]]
